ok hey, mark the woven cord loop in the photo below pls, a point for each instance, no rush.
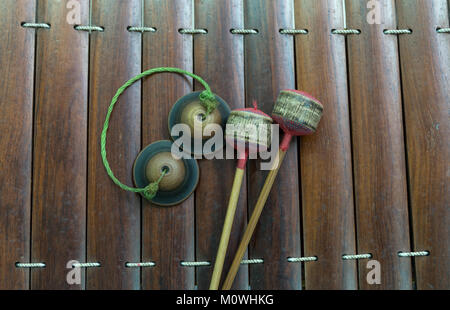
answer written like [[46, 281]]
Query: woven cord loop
[[206, 97]]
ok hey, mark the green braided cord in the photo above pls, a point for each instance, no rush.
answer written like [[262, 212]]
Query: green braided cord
[[207, 98]]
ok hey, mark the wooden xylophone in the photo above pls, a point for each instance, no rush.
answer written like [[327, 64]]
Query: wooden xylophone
[[371, 186]]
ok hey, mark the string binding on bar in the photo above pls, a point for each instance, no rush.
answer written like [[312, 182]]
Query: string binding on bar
[[442, 30], [192, 31], [233, 31], [302, 259], [142, 264], [356, 256], [89, 28], [35, 25], [194, 264], [412, 254], [243, 262], [345, 31], [30, 265], [206, 263], [252, 261], [397, 31], [294, 31], [141, 29], [244, 31], [85, 265]]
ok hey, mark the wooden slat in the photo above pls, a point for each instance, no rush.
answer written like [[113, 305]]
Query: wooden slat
[[326, 162], [114, 214], [219, 60], [378, 146], [60, 143], [167, 232], [270, 67], [16, 121], [425, 60]]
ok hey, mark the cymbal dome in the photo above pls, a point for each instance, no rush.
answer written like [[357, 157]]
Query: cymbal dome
[[175, 171], [194, 115]]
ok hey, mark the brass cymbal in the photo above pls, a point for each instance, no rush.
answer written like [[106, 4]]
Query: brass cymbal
[[188, 110], [181, 176]]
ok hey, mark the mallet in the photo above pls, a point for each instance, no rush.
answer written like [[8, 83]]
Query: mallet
[[298, 114], [248, 130]]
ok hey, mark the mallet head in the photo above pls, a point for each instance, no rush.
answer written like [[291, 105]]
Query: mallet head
[[250, 128], [298, 113]]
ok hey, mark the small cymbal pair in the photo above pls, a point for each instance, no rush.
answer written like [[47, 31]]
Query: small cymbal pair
[[159, 176], [181, 174]]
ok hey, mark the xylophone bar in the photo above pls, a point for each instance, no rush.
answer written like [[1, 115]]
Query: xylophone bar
[[166, 232]]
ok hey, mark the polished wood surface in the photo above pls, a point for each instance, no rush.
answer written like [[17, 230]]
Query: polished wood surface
[[168, 234], [218, 58], [378, 146], [325, 157], [16, 127], [113, 212], [60, 146], [426, 85], [269, 56], [372, 179]]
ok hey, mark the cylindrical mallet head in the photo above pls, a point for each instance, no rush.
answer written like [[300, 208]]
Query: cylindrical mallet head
[[249, 128], [298, 113]]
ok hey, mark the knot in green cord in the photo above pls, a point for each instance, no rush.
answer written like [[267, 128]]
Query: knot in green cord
[[208, 100], [151, 190]]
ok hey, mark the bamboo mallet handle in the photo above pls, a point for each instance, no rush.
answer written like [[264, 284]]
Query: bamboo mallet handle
[[226, 231], [253, 221]]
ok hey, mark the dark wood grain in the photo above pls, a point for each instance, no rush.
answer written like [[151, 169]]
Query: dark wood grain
[[270, 67], [57, 203], [60, 146], [378, 146], [114, 214], [425, 60], [16, 121], [219, 60], [326, 162], [167, 232]]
